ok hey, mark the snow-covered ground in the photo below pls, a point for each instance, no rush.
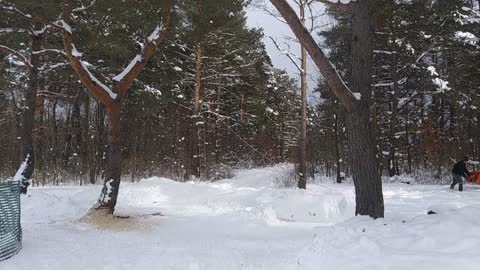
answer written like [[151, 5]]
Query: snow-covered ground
[[248, 223]]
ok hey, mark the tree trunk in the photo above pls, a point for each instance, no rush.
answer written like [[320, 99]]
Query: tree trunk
[[392, 166], [337, 144], [302, 180], [366, 177], [111, 185], [100, 141], [217, 125], [28, 116], [195, 151], [368, 185], [54, 141], [407, 143]]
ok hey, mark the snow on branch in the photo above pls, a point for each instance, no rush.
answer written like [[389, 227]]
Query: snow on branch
[[125, 78], [41, 31], [54, 51], [440, 84], [383, 84], [338, 5], [155, 34], [133, 69], [119, 77], [98, 89], [18, 55], [95, 80], [468, 38], [11, 8], [83, 8], [46, 68], [65, 26], [345, 2], [11, 30]]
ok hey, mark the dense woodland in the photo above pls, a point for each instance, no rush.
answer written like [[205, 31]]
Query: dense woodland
[[210, 99]]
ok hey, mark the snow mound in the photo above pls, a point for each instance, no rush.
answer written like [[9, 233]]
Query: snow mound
[[315, 205], [446, 241], [246, 222]]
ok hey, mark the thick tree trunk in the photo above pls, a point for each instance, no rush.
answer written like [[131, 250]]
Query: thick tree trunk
[[101, 136], [366, 177], [368, 185], [302, 180], [111, 185], [28, 116]]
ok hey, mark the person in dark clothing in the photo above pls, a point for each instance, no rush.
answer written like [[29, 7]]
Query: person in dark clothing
[[459, 173]]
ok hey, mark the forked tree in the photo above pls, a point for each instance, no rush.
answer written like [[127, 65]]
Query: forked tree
[[112, 97], [366, 175]]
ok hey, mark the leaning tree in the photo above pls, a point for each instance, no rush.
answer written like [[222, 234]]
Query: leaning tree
[[366, 175]]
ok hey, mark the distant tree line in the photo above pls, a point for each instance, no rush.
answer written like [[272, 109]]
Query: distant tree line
[[210, 100], [426, 87]]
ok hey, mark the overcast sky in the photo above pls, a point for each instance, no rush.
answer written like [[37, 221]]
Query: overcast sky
[[258, 17]]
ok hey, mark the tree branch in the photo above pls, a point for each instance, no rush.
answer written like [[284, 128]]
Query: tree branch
[[98, 89], [286, 53], [338, 6], [126, 77], [18, 55], [11, 8], [333, 79]]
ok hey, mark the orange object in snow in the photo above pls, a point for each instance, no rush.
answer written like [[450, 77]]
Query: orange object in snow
[[474, 177]]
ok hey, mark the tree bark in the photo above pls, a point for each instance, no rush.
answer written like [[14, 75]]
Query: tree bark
[[195, 152], [28, 115], [337, 144], [393, 166], [368, 185], [109, 193], [302, 180], [366, 176]]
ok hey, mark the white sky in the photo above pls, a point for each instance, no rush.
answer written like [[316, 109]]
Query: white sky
[[259, 18]]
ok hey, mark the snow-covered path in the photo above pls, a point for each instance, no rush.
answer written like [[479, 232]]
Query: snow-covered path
[[247, 223]]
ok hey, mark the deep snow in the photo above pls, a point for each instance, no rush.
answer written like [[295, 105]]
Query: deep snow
[[248, 223]]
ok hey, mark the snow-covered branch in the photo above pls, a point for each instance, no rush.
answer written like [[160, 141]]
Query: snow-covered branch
[[53, 51], [18, 55], [12, 9], [83, 7], [97, 88], [125, 78]]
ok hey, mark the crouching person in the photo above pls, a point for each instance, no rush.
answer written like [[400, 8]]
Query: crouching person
[[459, 173]]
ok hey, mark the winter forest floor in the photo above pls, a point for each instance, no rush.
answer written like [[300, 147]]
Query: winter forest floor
[[248, 223]]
